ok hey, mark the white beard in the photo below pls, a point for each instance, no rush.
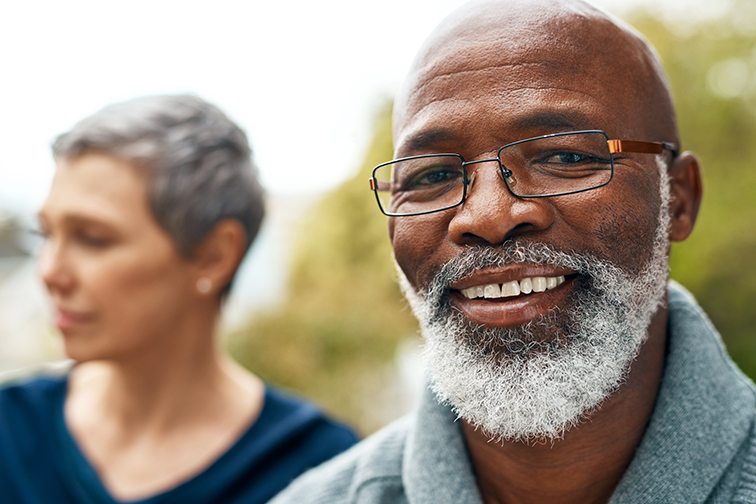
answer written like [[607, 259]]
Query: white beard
[[511, 382]]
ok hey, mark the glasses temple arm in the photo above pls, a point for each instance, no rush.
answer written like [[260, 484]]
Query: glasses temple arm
[[641, 147], [378, 185]]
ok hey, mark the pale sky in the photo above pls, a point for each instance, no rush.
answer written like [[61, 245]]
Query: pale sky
[[303, 78]]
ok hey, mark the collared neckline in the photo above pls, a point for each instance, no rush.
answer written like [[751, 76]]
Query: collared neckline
[[702, 415], [437, 468]]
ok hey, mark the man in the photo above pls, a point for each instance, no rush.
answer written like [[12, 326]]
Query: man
[[563, 367]]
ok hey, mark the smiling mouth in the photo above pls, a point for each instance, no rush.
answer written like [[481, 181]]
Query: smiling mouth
[[513, 288]]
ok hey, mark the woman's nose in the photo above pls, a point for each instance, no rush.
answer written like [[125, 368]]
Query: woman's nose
[[52, 268]]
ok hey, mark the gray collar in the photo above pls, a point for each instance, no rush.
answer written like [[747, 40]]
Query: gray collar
[[701, 418], [437, 468]]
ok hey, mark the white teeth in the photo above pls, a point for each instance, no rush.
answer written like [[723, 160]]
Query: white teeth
[[526, 286], [510, 289], [492, 291], [513, 288], [539, 284], [477, 291]]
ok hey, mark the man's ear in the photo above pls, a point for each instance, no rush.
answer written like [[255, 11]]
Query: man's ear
[[686, 192], [218, 256]]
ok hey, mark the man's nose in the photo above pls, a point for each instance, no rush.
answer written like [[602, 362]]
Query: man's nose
[[490, 214]]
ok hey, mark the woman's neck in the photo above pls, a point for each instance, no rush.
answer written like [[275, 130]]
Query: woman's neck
[[147, 423], [139, 395]]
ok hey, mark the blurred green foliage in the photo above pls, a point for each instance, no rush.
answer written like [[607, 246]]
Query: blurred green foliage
[[335, 337], [712, 71]]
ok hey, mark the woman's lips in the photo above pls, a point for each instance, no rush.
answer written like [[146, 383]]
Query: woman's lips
[[66, 320], [510, 309]]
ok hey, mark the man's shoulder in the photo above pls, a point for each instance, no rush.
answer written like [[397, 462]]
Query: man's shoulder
[[686, 319], [369, 472]]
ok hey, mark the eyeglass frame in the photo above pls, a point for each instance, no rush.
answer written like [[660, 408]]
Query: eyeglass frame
[[615, 146]]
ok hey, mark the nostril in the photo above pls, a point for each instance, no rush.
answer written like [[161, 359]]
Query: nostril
[[521, 227]]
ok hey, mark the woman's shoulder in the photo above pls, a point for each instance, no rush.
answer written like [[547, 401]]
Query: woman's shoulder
[[31, 412], [29, 398], [34, 384], [300, 417], [296, 433], [289, 437]]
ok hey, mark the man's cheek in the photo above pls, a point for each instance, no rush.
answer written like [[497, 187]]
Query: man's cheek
[[624, 212], [633, 224], [418, 243], [406, 257]]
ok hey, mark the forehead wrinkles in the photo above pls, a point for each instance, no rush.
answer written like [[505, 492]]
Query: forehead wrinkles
[[453, 94], [504, 79], [580, 51], [490, 36], [491, 71]]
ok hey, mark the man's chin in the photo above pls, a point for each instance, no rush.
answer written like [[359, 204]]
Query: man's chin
[[535, 381], [544, 335], [516, 387]]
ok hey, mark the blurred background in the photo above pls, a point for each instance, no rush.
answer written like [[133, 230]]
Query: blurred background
[[316, 308]]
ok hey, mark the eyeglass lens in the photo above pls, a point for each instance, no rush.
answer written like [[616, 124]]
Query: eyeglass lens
[[547, 166]]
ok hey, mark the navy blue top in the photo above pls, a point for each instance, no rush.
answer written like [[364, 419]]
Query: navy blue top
[[41, 463]]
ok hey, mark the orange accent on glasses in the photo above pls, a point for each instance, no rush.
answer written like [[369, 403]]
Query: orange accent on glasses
[[640, 147]]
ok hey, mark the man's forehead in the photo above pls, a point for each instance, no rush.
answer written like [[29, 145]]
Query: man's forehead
[[505, 46], [484, 35], [462, 84]]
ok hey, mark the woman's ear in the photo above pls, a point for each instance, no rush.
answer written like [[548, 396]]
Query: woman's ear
[[218, 256], [686, 191]]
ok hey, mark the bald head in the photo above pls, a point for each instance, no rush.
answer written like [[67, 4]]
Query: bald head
[[509, 47]]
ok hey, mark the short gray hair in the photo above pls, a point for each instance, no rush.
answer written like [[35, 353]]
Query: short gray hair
[[198, 162]]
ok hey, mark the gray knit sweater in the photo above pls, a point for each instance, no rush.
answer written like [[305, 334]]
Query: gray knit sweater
[[699, 447]]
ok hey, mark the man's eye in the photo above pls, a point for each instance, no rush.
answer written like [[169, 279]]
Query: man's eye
[[567, 158], [433, 176]]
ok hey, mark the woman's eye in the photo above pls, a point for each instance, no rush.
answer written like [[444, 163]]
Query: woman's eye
[[39, 233], [91, 240]]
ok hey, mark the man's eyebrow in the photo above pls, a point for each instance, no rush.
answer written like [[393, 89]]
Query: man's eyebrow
[[536, 123], [425, 139], [553, 120]]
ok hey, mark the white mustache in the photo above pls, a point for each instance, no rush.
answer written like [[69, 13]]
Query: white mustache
[[475, 258]]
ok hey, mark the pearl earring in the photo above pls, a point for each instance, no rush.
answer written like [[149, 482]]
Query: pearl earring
[[204, 285]]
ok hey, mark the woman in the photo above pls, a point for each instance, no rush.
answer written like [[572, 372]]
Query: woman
[[155, 201]]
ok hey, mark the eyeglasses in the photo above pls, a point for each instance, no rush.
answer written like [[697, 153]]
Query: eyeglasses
[[539, 167]]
